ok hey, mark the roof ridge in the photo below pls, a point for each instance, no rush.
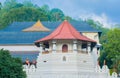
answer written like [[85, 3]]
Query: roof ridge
[[37, 26], [71, 31], [59, 31]]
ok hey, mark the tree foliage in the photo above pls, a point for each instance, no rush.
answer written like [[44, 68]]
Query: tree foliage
[[9, 4], [23, 14], [111, 49], [110, 40], [10, 67], [13, 11], [56, 14], [0, 5]]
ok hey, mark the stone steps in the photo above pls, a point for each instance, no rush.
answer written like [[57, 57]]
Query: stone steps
[[65, 64], [73, 62], [68, 58], [70, 66]]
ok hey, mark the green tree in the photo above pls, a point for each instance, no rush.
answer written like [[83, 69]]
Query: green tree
[[28, 3], [0, 5], [68, 18], [45, 8], [9, 4], [13, 11], [23, 14], [111, 49], [56, 14], [10, 67]]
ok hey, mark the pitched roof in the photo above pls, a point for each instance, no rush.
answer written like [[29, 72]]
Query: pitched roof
[[19, 26], [36, 27], [20, 37], [13, 34], [65, 31]]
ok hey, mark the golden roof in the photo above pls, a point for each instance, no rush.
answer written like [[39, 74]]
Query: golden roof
[[36, 27]]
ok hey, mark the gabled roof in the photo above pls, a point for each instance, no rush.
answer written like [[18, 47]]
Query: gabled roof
[[36, 27], [65, 31]]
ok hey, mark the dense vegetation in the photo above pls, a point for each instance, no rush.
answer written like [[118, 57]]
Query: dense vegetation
[[111, 50], [10, 67], [12, 11], [110, 40]]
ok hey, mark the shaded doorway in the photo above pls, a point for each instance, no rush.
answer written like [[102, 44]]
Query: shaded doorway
[[65, 48]]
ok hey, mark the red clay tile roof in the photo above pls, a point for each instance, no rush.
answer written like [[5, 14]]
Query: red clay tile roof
[[65, 31]]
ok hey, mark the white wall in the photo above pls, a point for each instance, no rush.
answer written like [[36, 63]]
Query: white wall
[[60, 43]]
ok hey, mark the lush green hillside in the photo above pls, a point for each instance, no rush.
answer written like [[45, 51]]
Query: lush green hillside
[[12, 11]]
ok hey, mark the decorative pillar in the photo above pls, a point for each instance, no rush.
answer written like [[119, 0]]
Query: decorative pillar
[[89, 48], [79, 46], [95, 50], [75, 46], [54, 46], [41, 47]]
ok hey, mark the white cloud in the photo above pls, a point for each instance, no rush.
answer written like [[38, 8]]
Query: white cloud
[[103, 19]]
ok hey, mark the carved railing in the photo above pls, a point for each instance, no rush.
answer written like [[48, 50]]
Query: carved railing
[[99, 73], [60, 51], [83, 52]]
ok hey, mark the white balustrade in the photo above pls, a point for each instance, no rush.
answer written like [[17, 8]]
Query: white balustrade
[[114, 75], [105, 69]]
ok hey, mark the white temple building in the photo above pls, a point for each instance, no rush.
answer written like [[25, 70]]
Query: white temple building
[[66, 53]]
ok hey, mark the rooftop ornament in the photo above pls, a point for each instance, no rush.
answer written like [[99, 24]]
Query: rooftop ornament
[[38, 26]]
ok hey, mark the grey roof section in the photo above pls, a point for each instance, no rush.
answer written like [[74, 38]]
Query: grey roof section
[[19, 26], [13, 34], [20, 37]]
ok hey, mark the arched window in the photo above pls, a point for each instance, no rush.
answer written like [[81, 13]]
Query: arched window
[[65, 48]]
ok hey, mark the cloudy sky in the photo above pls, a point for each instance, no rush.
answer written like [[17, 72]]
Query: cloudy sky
[[104, 11]]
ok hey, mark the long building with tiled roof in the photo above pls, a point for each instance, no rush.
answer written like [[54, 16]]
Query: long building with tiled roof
[[16, 40], [13, 34]]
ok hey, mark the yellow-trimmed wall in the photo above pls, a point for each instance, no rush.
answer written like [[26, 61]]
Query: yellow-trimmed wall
[[92, 35]]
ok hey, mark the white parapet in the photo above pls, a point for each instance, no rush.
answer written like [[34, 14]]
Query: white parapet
[[64, 65], [64, 74], [114, 75]]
